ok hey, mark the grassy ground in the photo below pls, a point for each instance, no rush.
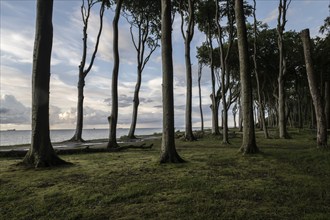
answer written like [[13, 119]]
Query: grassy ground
[[290, 179]]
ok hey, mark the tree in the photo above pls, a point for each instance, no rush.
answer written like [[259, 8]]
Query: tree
[[205, 18], [200, 68], [315, 91], [281, 21], [85, 14], [249, 142], [41, 152], [256, 72], [187, 12], [168, 150], [143, 16], [112, 143]]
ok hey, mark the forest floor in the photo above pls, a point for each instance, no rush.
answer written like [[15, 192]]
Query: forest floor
[[289, 179]]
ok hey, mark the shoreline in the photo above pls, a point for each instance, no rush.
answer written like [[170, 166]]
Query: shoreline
[[93, 145]]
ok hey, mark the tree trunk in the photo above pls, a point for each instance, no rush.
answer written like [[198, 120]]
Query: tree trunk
[[82, 71], [187, 37], [112, 143], [262, 123], [327, 103], [136, 102], [240, 116], [214, 106], [282, 69], [80, 114], [200, 95], [249, 142], [168, 151], [41, 152], [315, 92]]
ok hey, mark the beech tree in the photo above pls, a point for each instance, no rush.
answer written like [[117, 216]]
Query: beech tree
[[41, 152], [315, 91], [144, 17], [256, 72], [168, 150], [113, 118], [249, 142], [83, 71], [205, 18], [281, 21], [187, 12]]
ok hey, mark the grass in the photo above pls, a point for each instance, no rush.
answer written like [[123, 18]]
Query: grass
[[290, 179]]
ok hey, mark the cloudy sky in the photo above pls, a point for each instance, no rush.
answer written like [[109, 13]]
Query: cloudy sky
[[17, 38]]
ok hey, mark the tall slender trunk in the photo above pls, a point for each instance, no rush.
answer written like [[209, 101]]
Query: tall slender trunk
[[200, 95], [261, 102], [188, 118], [41, 152], [80, 111], [214, 106], [249, 142], [240, 116], [136, 102], [168, 150], [112, 143], [315, 91], [281, 21]]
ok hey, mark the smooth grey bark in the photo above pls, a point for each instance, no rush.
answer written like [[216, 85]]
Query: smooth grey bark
[[200, 68], [41, 152], [168, 150], [260, 100], [281, 21], [113, 118], [85, 14], [249, 142], [315, 91], [188, 35]]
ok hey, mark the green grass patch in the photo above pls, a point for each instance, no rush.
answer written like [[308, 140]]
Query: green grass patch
[[290, 179]]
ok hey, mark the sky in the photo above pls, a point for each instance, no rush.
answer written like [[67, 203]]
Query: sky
[[17, 22]]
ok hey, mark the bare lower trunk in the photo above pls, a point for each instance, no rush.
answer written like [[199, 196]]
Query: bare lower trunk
[[80, 114], [188, 133], [249, 142], [41, 152], [214, 106], [168, 150], [112, 143], [315, 92], [200, 96], [136, 102], [327, 103]]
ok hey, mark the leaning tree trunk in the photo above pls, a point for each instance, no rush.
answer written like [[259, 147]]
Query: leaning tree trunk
[[168, 151], [112, 143], [249, 142], [315, 92], [41, 152]]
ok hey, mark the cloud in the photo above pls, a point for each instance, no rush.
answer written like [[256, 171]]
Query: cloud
[[13, 111]]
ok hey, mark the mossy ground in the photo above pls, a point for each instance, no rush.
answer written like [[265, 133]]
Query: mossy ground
[[290, 179]]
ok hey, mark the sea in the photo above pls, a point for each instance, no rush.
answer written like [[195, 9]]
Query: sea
[[17, 137]]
